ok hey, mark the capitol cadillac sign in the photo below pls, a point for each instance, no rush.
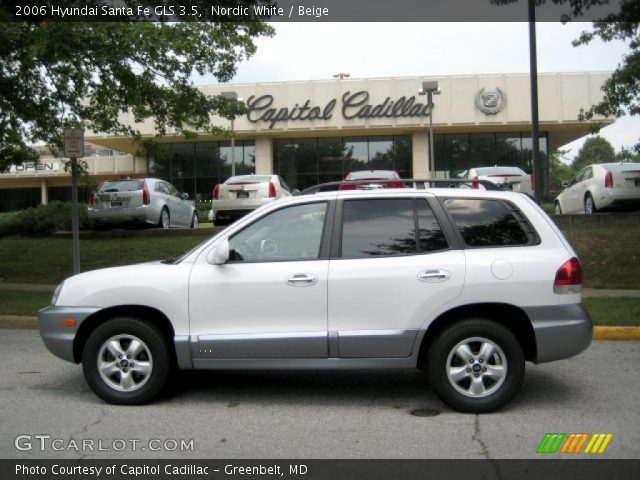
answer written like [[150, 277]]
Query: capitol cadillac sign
[[352, 105]]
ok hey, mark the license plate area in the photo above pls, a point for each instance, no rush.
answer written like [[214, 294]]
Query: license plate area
[[242, 194], [117, 204]]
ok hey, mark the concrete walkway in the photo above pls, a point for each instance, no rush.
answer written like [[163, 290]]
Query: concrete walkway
[[600, 292]]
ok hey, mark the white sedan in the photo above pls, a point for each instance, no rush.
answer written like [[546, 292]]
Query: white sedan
[[600, 186], [241, 194], [507, 178]]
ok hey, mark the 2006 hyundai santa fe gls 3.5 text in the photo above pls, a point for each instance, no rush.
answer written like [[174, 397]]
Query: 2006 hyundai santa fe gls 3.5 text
[[465, 284]]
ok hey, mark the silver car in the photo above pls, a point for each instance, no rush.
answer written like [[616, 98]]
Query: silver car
[[141, 200]]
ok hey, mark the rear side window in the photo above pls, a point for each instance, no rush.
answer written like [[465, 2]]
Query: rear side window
[[489, 223], [384, 227]]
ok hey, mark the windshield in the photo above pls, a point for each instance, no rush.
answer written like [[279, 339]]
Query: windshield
[[244, 179], [121, 186], [621, 167], [488, 171], [372, 174]]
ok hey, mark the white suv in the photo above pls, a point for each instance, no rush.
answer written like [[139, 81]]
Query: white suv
[[465, 284]]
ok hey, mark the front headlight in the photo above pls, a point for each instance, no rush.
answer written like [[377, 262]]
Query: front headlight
[[56, 293]]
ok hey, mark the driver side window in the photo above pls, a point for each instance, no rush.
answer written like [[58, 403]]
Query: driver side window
[[292, 233]]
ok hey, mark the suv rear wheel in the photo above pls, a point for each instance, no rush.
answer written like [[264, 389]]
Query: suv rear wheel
[[476, 365], [127, 361]]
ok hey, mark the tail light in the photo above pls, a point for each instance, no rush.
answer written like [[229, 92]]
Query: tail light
[[216, 192], [146, 198], [272, 190], [474, 183], [569, 277], [90, 198], [608, 180], [395, 185], [347, 186], [532, 177]]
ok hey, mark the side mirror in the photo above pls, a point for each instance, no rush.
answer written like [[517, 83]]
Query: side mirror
[[184, 196], [220, 254], [296, 191], [565, 184]]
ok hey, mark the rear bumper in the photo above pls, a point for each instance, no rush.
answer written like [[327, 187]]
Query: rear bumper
[[56, 337], [237, 207], [143, 214], [561, 331], [619, 197]]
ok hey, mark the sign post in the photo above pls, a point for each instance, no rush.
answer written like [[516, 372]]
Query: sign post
[[74, 148]]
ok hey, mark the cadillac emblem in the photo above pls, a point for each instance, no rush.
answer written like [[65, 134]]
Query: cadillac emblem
[[490, 102]]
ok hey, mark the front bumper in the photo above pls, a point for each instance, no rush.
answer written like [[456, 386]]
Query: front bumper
[[562, 331], [56, 337]]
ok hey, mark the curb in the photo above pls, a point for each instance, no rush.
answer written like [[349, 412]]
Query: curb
[[599, 333], [616, 333]]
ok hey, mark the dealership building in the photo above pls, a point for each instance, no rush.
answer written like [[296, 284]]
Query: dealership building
[[317, 131]]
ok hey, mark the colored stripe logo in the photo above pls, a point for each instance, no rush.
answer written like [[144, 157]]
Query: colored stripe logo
[[571, 443]]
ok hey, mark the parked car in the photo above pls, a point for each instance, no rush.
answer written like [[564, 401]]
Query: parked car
[[142, 200], [241, 194], [599, 187], [375, 176], [507, 178], [465, 284]]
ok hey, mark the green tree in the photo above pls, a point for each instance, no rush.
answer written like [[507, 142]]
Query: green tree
[[595, 150], [622, 89], [57, 74], [559, 171]]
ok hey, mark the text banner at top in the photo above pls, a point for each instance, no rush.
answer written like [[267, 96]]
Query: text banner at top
[[313, 10]]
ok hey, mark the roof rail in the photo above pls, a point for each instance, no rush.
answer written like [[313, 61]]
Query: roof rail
[[420, 183]]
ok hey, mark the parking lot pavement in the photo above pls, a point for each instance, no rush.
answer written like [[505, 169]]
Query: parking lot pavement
[[363, 414]]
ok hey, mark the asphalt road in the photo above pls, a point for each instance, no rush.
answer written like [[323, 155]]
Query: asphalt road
[[364, 414]]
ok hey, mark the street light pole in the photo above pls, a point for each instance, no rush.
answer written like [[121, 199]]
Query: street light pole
[[535, 127], [430, 89], [232, 97]]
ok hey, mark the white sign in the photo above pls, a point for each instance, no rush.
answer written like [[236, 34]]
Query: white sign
[[31, 167], [73, 142]]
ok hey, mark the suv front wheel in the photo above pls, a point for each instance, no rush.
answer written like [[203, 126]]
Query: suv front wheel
[[127, 361], [476, 365]]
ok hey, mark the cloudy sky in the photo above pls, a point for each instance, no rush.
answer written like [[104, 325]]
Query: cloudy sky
[[309, 51]]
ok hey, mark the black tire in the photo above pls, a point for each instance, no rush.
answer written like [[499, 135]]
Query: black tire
[[588, 198], [161, 223], [498, 393], [161, 358]]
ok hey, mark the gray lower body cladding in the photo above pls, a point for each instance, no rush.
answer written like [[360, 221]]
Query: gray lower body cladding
[[562, 331]]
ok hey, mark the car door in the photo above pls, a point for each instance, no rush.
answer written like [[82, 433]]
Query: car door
[[182, 209], [270, 299], [573, 197], [391, 268]]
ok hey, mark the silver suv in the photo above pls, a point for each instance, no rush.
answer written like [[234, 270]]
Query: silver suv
[[464, 284]]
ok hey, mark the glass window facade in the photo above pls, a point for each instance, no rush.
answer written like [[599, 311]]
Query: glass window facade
[[195, 167], [304, 162], [456, 152]]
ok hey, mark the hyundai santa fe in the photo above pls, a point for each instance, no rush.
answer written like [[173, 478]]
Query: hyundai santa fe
[[466, 285]]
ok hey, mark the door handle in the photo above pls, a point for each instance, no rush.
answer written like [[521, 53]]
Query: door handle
[[433, 276], [302, 280]]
